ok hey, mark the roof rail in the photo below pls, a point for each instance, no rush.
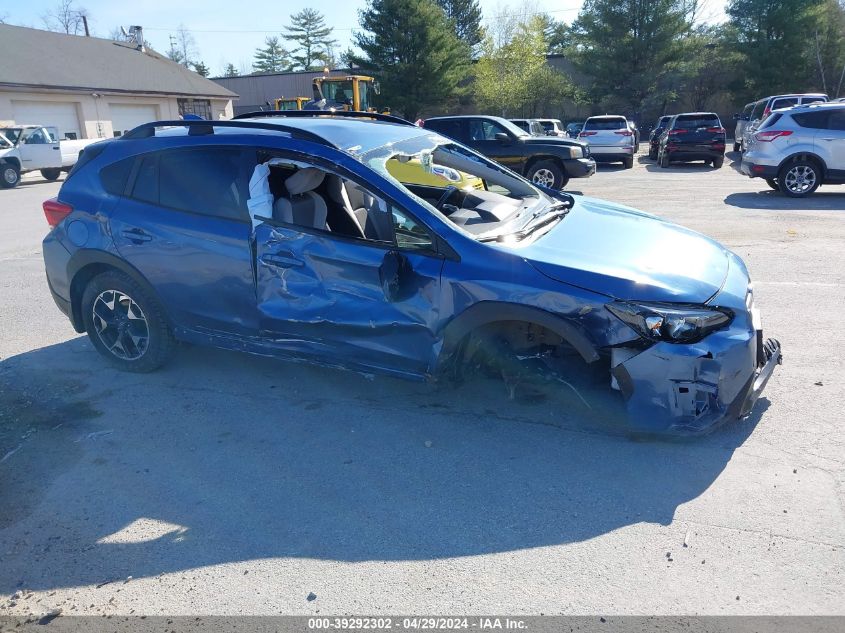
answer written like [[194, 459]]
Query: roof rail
[[352, 114], [201, 128]]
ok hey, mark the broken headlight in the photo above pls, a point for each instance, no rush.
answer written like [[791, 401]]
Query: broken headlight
[[670, 322]]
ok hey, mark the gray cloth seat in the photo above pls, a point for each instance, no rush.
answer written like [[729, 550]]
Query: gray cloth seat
[[303, 206], [374, 223]]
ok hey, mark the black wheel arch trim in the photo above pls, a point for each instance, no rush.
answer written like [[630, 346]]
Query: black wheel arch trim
[[85, 257], [539, 158], [487, 312], [806, 155], [12, 161]]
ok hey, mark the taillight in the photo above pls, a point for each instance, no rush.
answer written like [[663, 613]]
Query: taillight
[[770, 135], [55, 211], [624, 132], [587, 134], [678, 131], [716, 130]]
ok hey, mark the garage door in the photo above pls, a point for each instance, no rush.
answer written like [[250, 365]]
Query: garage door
[[125, 116], [60, 115]]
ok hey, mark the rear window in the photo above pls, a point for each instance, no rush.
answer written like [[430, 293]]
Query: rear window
[[771, 120], [452, 129], [694, 122], [813, 120], [606, 124]]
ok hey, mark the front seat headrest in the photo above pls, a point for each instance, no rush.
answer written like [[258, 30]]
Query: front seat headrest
[[306, 179]]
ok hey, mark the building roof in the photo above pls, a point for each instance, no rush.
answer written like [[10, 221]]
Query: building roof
[[42, 59]]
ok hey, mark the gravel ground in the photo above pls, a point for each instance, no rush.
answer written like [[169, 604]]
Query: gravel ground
[[228, 484]]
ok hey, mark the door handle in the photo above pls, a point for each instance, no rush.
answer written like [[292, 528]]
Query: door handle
[[281, 260], [136, 236], [57, 148]]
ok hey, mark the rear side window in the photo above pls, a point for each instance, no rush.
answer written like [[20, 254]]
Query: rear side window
[[836, 120], [813, 120], [748, 109], [115, 176], [606, 124], [809, 100], [452, 129], [758, 110], [211, 181], [145, 187], [694, 122], [784, 103]]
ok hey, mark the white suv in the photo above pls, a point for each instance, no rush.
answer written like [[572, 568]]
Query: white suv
[[798, 149], [610, 139]]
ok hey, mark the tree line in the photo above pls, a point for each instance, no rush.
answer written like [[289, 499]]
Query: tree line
[[641, 58]]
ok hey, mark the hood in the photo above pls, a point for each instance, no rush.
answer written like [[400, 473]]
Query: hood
[[627, 254], [556, 141]]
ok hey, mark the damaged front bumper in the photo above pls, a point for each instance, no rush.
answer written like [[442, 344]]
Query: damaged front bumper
[[692, 388]]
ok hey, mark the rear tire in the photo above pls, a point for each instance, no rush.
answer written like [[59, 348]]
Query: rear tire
[[737, 147], [799, 179], [548, 174], [126, 324], [664, 159], [628, 162], [51, 174], [718, 162], [773, 183], [10, 175]]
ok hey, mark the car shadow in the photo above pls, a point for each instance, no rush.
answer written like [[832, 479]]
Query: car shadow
[[769, 199], [222, 457]]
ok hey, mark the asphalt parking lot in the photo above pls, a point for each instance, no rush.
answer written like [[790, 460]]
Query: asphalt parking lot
[[229, 484]]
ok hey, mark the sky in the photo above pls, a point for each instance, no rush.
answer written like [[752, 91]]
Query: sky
[[225, 33]]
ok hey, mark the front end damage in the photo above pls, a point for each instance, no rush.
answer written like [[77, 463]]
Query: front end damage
[[692, 388]]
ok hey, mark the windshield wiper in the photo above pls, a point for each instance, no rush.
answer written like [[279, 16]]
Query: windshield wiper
[[517, 236]]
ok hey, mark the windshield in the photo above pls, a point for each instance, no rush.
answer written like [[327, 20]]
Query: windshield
[[480, 197], [12, 134]]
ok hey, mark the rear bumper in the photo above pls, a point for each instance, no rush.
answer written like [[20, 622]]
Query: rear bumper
[[579, 167], [609, 153], [755, 170], [698, 153]]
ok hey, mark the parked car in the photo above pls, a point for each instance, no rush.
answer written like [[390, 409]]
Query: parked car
[[656, 133], [610, 139], [573, 129], [553, 127], [270, 234], [546, 161], [532, 126], [26, 148], [798, 149], [764, 107], [693, 136], [742, 119]]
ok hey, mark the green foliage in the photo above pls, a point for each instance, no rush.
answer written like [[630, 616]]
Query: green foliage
[[775, 40], [627, 47], [466, 17], [411, 47], [828, 48], [201, 69], [312, 38], [272, 58], [512, 77], [707, 69]]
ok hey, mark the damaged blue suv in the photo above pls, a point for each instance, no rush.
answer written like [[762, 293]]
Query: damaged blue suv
[[362, 241]]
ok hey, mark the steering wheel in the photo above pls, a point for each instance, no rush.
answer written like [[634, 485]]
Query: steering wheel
[[450, 191]]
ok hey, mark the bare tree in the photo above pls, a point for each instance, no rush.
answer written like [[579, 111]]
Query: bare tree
[[183, 47], [66, 17]]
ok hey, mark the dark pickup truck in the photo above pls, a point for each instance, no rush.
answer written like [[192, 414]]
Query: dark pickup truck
[[545, 160]]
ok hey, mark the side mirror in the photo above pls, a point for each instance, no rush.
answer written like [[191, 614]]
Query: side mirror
[[503, 138]]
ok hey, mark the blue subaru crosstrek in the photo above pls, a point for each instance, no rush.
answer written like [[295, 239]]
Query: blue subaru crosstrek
[[365, 242]]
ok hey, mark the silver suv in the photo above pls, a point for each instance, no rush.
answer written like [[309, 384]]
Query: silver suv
[[765, 106], [798, 149], [610, 139]]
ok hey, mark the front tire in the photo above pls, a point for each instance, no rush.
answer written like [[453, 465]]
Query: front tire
[[51, 174], [126, 324], [773, 183], [799, 179], [10, 175], [548, 174], [737, 147]]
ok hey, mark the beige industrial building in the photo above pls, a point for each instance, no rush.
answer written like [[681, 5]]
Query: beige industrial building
[[89, 87]]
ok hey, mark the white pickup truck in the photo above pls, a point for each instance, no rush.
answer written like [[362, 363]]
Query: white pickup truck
[[26, 148]]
